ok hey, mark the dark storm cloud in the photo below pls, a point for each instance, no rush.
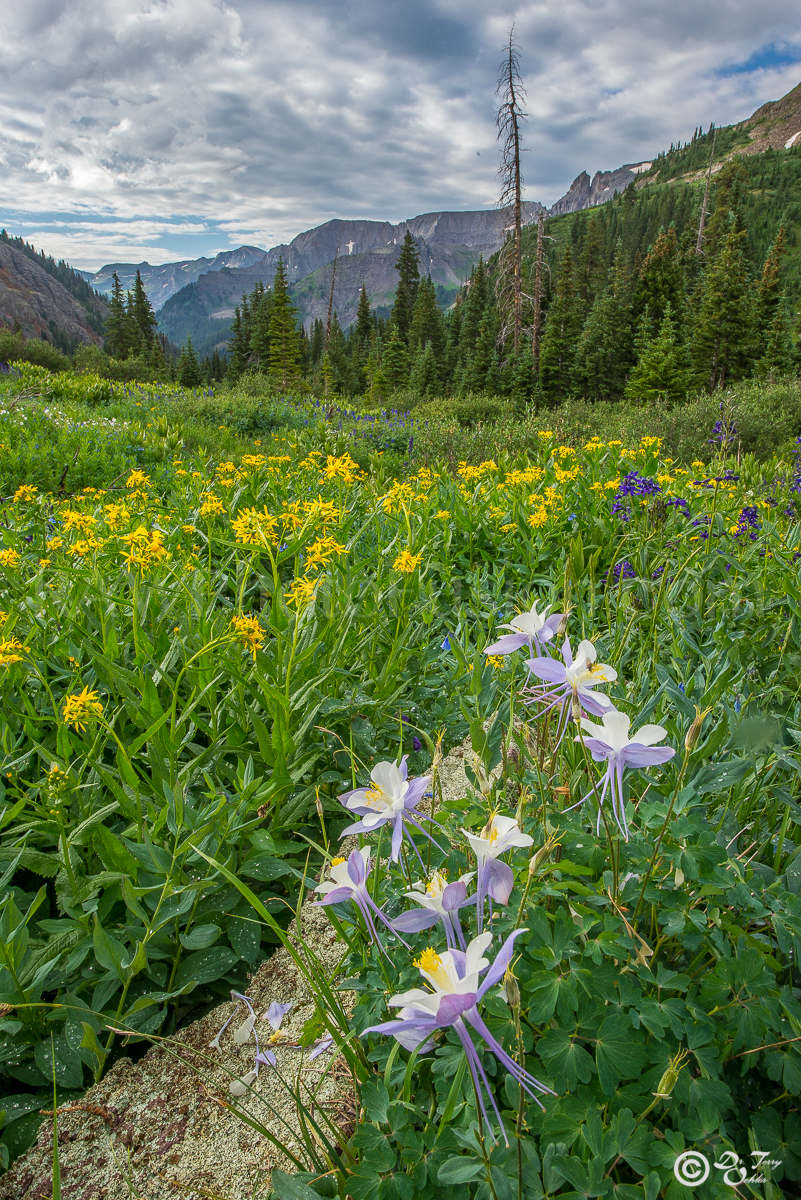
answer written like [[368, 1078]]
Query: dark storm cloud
[[263, 118]]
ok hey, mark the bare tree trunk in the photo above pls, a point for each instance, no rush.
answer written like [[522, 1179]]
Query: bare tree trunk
[[699, 241], [537, 319], [510, 114]]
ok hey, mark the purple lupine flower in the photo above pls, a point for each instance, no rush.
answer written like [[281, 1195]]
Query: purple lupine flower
[[392, 797], [348, 882], [438, 901], [494, 878], [611, 741], [527, 628], [452, 1002], [571, 683], [623, 569]]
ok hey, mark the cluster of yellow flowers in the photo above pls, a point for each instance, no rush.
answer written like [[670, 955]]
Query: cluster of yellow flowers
[[80, 708], [249, 632], [406, 562], [254, 528], [145, 547], [11, 651]]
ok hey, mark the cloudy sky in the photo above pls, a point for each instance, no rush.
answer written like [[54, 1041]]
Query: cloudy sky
[[168, 129]]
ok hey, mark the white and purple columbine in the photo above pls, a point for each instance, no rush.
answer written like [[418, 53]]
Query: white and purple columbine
[[493, 877], [392, 798], [527, 628], [570, 683], [455, 991], [348, 881], [610, 741], [437, 900]]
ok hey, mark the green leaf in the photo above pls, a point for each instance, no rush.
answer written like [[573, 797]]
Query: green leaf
[[375, 1098], [459, 1169], [109, 952], [287, 1187], [201, 937], [206, 966], [619, 1053]]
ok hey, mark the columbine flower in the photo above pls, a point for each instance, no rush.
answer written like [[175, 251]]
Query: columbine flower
[[274, 1016], [527, 628], [611, 741], [392, 797], [323, 1043], [348, 882], [494, 878], [570, 683], [247, 1029], [455, 990], [439, 901]]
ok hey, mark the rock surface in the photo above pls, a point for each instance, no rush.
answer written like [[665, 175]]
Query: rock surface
[[33, 300], [161, 1128]]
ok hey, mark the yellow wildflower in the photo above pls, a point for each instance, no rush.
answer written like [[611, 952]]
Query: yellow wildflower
[[342, 468], [82, 521], [9, 558], [54, 543], [538, 517], [495, 660], [116, 515], [212, 505], [137, 479], [249, 632], [25, 493], [406, 562], [11, 651], [442, 515], [254, 528], [81, 707], [301, 592]]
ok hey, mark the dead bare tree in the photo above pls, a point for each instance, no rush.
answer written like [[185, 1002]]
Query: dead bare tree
[[699, 242], [509, 290], [536, 322]]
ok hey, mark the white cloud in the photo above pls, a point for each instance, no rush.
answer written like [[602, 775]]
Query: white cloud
[[264, 117]]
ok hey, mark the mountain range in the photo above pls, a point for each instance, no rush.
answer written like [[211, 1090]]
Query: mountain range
[[196, 298]]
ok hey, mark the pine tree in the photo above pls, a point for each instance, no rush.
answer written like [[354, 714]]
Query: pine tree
[[238, 349], [776, 360], [424, 378], [261, 302], [427, 327], [143, 315], [284, 349], [723, 339], [116, 328], [661, 282], [604, 352], [563, 324], [408, 268], [395, 364], [188, 372], [769, 295], [661, 372]]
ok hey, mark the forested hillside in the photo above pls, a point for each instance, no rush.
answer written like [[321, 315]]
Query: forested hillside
[[94, 305], [641, 297]]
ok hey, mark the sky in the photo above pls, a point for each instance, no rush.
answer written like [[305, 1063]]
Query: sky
[[161, 130]]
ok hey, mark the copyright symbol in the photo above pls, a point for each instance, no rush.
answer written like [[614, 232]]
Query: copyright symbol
[[691, 1168]]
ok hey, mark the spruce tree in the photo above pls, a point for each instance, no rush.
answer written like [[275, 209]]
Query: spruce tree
[[284, 349], [116, 328], [143, 315], [395, 363], [723, 339], [563, 324], [777, 359], [427, 325], [661, 372], [188, 372], [424, 378], [408, 268], [238, 349]]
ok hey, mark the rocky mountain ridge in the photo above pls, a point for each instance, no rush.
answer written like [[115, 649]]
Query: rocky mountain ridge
[[32, 301]]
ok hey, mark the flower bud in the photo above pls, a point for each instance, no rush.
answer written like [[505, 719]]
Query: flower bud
[[694, 732], [668, 1081], [317, 803], [511, 989], [562, 627]]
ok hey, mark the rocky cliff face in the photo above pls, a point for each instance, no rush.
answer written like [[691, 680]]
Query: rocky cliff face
[[776, 125], [37, 303], [164, 281], [585, 192], [449, 245]]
